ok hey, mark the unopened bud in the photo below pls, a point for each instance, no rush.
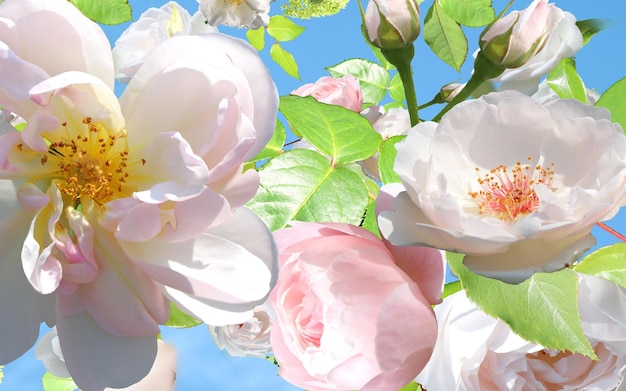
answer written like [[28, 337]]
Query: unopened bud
[[392, 24], [512, 41]]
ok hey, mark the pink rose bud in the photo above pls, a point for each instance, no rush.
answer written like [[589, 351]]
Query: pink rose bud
[[392, 24], [344, 91], [516, 38]]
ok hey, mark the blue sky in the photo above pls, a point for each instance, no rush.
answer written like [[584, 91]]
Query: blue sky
[[326, 42]]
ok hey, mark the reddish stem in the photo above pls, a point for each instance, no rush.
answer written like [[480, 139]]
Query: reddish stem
[[612, 231]]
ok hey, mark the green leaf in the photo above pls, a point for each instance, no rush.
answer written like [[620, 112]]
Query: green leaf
[[283, 29], [608, 262], [543, 309], [301, 185], [386, 158], [613, 100], [340, 133], [445, 37], [590, 27], [472, 13], [179, 319], [285, 60], [565, 81], [53, 383], [394, 104], [412, 386], [105, 11], [451, 288], [274, 147], [372, 77], [396, 89], [256, 37]]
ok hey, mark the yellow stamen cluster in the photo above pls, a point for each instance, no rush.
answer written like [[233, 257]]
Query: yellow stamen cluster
[[93, 163], [235, 3], [508, 195]]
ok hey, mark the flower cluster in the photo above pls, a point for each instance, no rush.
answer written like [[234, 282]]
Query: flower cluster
[[124, 213]]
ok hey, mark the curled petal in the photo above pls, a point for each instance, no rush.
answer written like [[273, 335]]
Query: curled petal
[[179, 177], [42, 268], [18, 77]]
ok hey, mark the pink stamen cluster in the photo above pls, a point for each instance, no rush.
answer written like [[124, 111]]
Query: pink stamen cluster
[[508, 194]]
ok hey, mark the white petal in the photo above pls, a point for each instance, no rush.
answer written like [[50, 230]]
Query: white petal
[[57, 37], [97, 359], [22, 307]]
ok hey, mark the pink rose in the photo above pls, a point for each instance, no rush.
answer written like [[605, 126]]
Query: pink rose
[[343, 91], [352, 313]]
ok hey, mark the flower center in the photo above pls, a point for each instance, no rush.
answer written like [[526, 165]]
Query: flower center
[[235, 3], [507, 195], [91, 164]]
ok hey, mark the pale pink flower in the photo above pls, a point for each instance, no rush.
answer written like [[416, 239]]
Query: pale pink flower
[[236, 13], [343, 302], [515, 185], [392, 24], [344, 91], [249, 338], [116, 208], [540, 37], [475, 352], [152, 28]]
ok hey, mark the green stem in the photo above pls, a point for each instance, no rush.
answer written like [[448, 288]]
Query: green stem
[[401, 59], [483, 71]]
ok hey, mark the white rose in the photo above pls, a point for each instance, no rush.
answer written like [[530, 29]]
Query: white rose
[[251, 338], [514, 185], [152, 28], [477, 352], [236, 13]]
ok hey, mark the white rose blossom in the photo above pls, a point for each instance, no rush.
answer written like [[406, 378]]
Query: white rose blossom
[[251, 338], [111, 208], [476, 352], [514, 185], [152, 28], [236, 13]]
